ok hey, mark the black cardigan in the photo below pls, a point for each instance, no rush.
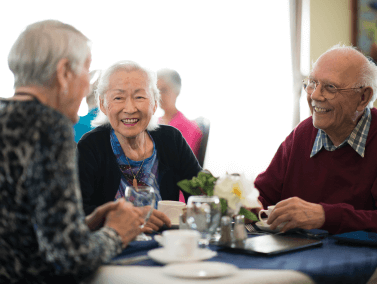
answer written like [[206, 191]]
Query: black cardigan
[[100, 175]]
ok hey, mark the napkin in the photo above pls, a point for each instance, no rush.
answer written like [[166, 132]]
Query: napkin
[[358, 237]]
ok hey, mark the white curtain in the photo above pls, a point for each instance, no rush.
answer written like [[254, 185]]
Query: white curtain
[[295, 7]]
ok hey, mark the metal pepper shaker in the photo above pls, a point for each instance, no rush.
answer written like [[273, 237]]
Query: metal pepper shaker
[[226, 230], [239, 231]]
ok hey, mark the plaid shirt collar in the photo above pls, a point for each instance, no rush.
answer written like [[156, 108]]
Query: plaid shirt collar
[[356, 140]]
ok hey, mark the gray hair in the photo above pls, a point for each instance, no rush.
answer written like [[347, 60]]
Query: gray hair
[[103, 86], [91, 97], [171, 77], [368, 74], [34, 56]]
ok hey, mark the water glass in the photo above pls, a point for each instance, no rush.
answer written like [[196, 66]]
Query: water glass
[[203, 215], [145, 198]]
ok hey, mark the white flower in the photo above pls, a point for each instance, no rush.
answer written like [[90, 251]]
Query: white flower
[[238, 191]]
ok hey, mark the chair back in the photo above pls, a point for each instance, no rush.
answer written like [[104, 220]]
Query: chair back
[[204, 125]]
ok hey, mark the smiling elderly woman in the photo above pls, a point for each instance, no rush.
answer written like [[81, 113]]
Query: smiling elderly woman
[[129, 147]]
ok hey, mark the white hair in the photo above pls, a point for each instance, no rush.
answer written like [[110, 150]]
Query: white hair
[[172, 78], [368, 72], [103, 86], [34, 56]]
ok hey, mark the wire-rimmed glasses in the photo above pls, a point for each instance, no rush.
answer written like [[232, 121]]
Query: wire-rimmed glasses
[[329, 91]]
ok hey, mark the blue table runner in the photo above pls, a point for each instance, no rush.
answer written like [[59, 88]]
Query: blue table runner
[[331, 263]]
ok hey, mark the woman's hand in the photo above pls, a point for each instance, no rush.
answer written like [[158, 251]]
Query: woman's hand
[[156, 221], [96, 219], [126, 220]]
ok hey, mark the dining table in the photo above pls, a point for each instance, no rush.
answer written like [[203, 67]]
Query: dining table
[[331, 262]]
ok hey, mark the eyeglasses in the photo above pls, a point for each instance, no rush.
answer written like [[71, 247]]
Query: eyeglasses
[[330, 90]]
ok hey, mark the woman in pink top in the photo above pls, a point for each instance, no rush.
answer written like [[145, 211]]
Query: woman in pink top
[[169, 84]]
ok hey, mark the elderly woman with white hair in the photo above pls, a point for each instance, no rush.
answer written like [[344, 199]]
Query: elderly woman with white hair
[[44, 235], [129, 147]]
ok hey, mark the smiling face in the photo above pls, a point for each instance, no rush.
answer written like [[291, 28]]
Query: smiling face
[[338, 116], [128, 104]]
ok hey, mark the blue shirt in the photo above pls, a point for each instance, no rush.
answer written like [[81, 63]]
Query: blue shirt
[[83, 125]]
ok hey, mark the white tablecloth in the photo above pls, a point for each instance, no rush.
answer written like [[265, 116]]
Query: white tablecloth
[[155, 275]]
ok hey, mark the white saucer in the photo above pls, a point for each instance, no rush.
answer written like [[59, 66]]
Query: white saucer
[[266, 227], [159, 239], [160, 255], [202, 270]]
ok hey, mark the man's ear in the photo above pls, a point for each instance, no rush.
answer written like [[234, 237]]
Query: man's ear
[[366, 96], [64, 74]]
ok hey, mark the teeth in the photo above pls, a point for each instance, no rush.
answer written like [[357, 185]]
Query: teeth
[[130, 120], [319, 109]]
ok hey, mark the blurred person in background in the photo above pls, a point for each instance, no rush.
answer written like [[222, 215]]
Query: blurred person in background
[[169, 83], [84, 124], [128, 147], [44, 235]]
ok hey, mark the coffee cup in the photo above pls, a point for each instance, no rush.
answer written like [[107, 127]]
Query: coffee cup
[[172, 209], [267, 212], [180, 243]]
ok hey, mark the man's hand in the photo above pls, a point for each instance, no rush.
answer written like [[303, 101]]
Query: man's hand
[[156, 221], [298, 214], [96, 219]]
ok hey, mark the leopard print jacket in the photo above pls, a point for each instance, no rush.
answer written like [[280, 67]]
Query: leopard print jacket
[[43, 235]]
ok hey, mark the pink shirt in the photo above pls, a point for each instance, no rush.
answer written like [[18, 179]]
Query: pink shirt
[[189, 129]]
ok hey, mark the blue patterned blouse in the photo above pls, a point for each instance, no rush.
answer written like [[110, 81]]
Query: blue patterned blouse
[[147, 175]]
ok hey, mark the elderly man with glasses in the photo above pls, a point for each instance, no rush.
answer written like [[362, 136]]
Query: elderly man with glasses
[[324, 175]]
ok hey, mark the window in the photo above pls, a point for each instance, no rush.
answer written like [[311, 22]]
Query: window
[[233, 56]]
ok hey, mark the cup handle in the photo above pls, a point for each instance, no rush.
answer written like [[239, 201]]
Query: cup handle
[[260, 216]]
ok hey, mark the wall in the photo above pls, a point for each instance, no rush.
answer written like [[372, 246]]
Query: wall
[[330, 24]]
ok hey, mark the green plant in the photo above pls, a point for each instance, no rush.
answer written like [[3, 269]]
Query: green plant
[[204, 184]]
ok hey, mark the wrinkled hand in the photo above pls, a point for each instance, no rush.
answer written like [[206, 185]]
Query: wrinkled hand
[[96, 219], [298, 214], [156, 221], [126, 220]]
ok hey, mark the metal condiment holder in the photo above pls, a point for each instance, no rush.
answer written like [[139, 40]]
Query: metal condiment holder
[[226, 230], [239, 231]]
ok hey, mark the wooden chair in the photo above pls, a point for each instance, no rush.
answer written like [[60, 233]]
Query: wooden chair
[[204, 125]]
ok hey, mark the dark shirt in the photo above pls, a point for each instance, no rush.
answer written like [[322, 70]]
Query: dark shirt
[[100, 175], [42, 230], [342, 181]]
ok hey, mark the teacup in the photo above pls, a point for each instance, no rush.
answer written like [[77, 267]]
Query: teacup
[[172, 209], [267, 212], [180, 243]]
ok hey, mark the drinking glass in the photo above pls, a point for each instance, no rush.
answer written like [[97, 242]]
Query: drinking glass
[[203, 215], [145, 198]]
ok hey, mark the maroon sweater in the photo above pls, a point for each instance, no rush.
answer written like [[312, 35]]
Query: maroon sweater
[[343, 182]]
